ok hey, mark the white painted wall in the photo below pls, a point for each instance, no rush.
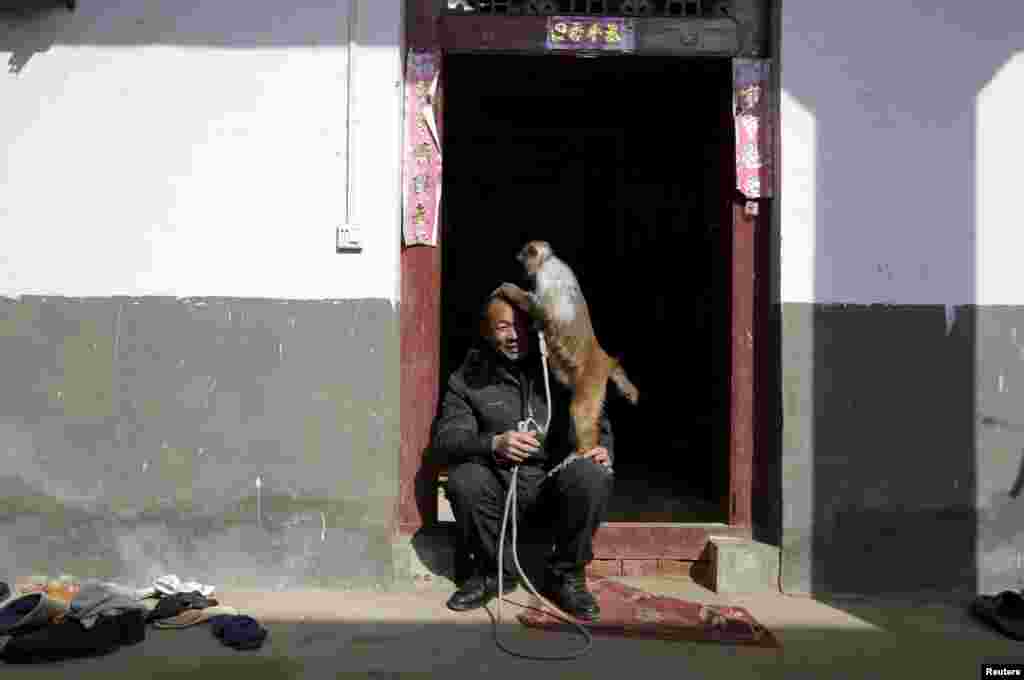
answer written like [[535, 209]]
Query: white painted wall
[[199, 149], [900, 135]]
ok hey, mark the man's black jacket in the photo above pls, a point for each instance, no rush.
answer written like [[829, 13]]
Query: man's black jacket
[[487, 396]]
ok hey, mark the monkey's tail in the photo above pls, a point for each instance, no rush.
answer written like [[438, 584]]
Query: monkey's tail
[[622, 381]]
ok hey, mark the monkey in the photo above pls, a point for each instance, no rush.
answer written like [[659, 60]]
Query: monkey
[[558, 307]]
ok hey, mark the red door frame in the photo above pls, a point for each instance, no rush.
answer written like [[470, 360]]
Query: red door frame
[[420, 322]]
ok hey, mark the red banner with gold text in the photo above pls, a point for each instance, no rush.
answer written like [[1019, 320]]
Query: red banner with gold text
[[422, 172]]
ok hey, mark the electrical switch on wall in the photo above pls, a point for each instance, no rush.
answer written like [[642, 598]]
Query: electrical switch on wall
[[350, 239]]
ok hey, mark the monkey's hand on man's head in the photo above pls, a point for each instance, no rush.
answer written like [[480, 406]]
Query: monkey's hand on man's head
[[514, 294], [508, 290]]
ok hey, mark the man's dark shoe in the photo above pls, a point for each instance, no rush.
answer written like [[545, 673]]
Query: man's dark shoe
[[569, 592], [478, 590]]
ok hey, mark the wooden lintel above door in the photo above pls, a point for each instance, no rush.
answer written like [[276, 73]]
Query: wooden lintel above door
[[691, 37]]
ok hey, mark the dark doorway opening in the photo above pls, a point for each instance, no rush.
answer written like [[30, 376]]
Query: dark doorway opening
[[624, 164]]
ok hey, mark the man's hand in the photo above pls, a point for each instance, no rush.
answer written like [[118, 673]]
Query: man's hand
[[599, 455], [514, 447]]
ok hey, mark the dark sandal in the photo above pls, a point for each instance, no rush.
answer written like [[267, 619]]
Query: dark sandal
[[1004, 612]]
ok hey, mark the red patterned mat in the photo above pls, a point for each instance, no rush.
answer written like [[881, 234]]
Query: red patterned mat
[[631, 612]]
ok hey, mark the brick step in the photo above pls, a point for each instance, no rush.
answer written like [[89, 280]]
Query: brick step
[[742, 565], [732, 565], [724, 563]]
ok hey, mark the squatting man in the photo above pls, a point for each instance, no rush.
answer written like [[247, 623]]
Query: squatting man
[[499, 384]]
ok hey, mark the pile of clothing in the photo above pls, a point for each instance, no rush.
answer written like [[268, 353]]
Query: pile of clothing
[[45, 621]]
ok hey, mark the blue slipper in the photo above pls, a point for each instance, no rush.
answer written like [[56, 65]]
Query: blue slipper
[[239, 632]]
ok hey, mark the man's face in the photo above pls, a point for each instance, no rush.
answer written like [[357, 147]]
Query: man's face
[[507, 330]]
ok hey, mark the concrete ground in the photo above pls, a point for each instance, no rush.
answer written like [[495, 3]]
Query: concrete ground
[[410, 633]]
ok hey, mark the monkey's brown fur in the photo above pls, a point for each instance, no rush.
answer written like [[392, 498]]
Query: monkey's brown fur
[[576, 358]]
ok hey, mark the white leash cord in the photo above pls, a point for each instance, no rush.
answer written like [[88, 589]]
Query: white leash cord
[[510, 504]]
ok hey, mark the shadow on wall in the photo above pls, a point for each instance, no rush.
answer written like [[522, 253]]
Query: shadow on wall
[[34, 30], [38, 25], [898, 476]]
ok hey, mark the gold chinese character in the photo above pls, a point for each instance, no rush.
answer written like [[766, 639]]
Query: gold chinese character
[[594, 33], [420, 218], [612, 34], [558, 32], [576, 32], [423, 152], [750, 97]]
